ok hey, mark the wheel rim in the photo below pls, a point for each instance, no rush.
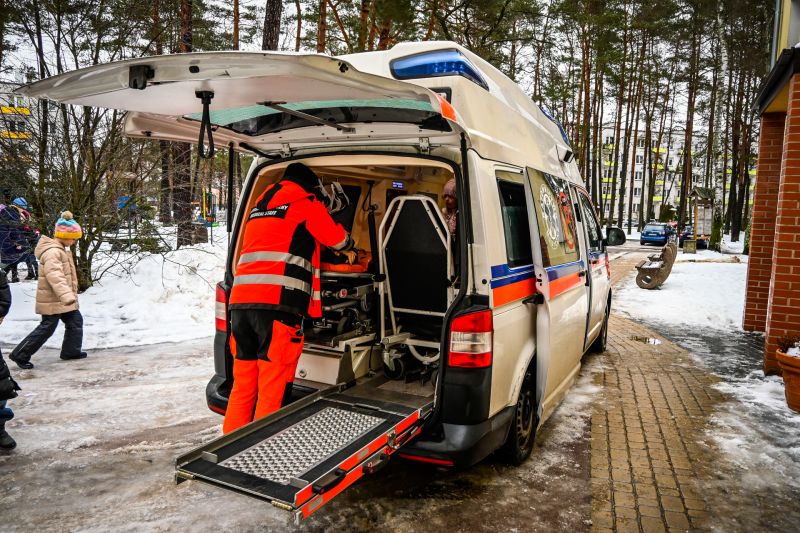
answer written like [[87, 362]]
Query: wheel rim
[[524, 418]]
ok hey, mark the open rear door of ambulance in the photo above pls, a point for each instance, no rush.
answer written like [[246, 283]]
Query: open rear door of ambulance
[[261, 102], [302, 456], [271, 103]]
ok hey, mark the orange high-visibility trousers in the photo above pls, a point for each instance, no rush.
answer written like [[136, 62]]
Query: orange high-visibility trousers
[[259, 385]]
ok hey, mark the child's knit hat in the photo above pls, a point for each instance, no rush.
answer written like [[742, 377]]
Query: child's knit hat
[[67, 228]]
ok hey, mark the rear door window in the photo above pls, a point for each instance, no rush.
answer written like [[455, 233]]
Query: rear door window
[[555, 217], [515, 221]]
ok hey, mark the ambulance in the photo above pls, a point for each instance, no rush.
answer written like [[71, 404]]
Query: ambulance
[[437, 344]]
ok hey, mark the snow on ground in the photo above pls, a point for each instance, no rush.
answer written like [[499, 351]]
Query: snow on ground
[[703, 294], [140, 300], [710, 256], [732, 247]]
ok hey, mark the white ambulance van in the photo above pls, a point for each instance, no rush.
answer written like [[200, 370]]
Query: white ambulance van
[[436, 345]]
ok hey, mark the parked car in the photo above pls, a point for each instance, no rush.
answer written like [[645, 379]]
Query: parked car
[[688, 233], [656, 233], [404, 359]]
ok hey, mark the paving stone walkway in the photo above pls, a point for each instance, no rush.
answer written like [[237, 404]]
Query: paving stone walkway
[[653, 466]]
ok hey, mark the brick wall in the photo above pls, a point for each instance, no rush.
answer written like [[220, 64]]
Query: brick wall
[[783, 313], [762, 225]]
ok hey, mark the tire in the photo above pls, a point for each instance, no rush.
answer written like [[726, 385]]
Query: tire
[[600, 343], [522, 433]]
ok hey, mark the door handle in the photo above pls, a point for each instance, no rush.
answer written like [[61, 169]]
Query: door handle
[[582, 273], [536, 299]]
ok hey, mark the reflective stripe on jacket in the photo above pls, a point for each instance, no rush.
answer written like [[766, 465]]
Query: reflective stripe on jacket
[[278, 267]]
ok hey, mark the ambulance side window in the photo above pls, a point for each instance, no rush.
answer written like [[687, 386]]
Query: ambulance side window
[[515, 223], [590, 222], [555, 218]]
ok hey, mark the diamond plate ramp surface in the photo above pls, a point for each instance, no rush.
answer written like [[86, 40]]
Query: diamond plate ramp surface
[[299, 447]]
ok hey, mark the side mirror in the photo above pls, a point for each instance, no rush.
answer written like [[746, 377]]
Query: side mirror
[[615, 237]]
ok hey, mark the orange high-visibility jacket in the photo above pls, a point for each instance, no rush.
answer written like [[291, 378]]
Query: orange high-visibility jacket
[[278, 266]]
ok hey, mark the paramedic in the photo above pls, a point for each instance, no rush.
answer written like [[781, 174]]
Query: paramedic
[[276, 283]]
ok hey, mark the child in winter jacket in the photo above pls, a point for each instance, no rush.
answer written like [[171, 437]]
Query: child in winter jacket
[[8, 387], [56, 295]]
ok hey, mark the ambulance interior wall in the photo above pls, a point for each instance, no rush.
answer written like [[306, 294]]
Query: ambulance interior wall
[[388, 178]]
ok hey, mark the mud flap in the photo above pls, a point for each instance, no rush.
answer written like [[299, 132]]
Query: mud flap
[[302, 456]]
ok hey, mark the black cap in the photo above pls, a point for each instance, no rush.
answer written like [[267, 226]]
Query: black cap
[[303, 176]]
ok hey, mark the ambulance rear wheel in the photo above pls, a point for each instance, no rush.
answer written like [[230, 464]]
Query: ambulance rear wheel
[[522, 433]]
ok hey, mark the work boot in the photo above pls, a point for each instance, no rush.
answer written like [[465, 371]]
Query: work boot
[[6, 442], [80, 355], [23, 364]]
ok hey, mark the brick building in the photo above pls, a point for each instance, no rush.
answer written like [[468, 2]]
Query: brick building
[[772, 300]]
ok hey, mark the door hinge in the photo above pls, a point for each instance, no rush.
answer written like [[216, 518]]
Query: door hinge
[[424, 145], [286, 151]]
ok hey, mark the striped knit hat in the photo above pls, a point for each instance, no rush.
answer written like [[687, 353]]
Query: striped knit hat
[[67, 228]]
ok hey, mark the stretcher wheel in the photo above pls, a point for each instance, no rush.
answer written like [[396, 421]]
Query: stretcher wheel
[[399, 371]]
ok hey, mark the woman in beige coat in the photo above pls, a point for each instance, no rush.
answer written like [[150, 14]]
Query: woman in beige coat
[[56, 295]]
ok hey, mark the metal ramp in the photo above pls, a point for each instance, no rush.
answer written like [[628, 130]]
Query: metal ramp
[[302, 456]]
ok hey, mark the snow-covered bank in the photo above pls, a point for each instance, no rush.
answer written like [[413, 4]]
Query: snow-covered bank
[[703, 294], [160, 298]]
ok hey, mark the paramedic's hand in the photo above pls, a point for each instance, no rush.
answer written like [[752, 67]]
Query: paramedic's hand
[[351, 255]]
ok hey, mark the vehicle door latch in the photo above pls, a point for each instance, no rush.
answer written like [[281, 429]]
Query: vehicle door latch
[[425, 145]]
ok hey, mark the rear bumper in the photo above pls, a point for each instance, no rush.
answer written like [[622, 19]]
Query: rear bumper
[[217, 394], [464, 445], [653, 240]]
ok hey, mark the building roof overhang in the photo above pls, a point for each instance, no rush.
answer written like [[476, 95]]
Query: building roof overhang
[[773, 95]]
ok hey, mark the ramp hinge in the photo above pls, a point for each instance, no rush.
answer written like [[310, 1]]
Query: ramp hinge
[[424, 145], [183, 476], [281, 505]]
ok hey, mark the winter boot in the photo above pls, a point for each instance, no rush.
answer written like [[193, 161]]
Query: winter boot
[[81, 355], [23, 364], [6, 442]]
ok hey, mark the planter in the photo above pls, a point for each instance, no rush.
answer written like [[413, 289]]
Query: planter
[[791, 378]]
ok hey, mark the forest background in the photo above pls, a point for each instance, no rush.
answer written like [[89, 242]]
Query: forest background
[[648, 72]]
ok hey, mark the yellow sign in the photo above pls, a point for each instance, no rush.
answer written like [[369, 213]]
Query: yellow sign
[[6, 110]]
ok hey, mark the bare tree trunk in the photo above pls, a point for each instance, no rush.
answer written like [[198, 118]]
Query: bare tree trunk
[[617, 126], [164, 197], [235, 24], [272, 25], [322, 26], [383, 34], [44, 117], [2, 30], [686, 182], [299, 10], [181, 194]]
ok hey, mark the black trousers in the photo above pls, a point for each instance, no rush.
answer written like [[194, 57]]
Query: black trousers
[[73, 336]]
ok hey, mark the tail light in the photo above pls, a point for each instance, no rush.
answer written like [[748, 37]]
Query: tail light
[[471, 338], [220, 309]]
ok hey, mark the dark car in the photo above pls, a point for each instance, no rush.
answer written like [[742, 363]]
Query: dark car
[[688, 233], [656, 233]]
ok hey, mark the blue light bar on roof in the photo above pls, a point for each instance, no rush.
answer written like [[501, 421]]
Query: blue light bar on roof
[[434, 64]]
